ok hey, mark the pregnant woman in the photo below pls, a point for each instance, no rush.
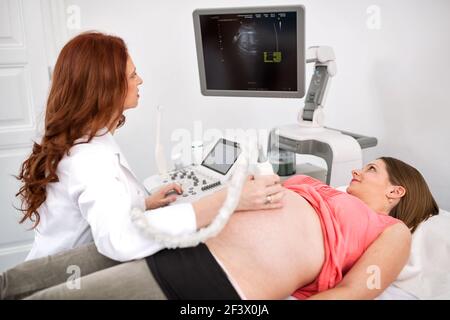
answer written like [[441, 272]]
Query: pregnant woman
[[321, 244]]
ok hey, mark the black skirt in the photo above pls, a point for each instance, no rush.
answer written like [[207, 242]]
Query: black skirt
[[191, 274]]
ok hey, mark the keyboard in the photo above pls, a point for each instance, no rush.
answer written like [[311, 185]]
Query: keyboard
[[194, 183]]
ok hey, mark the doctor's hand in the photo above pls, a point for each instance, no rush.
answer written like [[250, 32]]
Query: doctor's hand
[[163, 196], [262, 192]]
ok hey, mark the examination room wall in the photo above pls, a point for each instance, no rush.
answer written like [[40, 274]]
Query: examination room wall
[[392, 80]]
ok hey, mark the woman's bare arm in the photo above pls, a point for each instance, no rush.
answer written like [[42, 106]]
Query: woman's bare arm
[[384, 258]]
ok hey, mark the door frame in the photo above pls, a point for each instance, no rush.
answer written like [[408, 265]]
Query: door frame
[[55, 35]]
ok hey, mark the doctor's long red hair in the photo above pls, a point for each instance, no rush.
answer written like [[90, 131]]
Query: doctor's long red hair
[[88, 91]]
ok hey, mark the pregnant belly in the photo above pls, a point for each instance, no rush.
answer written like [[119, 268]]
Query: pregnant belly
[[271, 253]]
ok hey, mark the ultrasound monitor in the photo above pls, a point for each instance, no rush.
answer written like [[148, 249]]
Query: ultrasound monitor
[[251, 52]]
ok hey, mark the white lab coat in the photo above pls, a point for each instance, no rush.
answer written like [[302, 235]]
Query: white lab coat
[[92, 202]]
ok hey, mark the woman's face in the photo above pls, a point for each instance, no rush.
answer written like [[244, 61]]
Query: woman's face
[[132, 97], [371, 184]]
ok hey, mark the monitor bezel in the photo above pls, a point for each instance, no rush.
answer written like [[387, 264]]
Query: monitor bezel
[[300, 12]]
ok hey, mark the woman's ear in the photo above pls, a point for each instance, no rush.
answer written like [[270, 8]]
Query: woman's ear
[[396, 192]]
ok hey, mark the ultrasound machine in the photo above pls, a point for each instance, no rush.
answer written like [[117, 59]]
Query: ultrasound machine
[[260, 52], [199, 180]]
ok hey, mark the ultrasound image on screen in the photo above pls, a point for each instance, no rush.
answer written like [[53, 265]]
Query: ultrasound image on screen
[[253, 51]]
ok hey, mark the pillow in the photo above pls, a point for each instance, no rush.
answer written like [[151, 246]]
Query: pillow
[[426, 275]]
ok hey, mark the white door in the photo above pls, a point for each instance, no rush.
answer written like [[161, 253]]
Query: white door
[[24, 83]]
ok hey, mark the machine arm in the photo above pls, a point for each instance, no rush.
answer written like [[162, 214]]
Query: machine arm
[[324, 69]]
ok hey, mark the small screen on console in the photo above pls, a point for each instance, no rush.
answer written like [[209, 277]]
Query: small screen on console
[[222, 157]]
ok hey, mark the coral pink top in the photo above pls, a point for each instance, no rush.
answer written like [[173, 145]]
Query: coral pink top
[[349, 226]]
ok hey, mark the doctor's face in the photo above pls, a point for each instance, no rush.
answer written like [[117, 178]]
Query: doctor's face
[[132, 97]]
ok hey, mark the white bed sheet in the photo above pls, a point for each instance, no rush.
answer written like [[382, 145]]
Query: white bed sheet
[[427, 273]]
